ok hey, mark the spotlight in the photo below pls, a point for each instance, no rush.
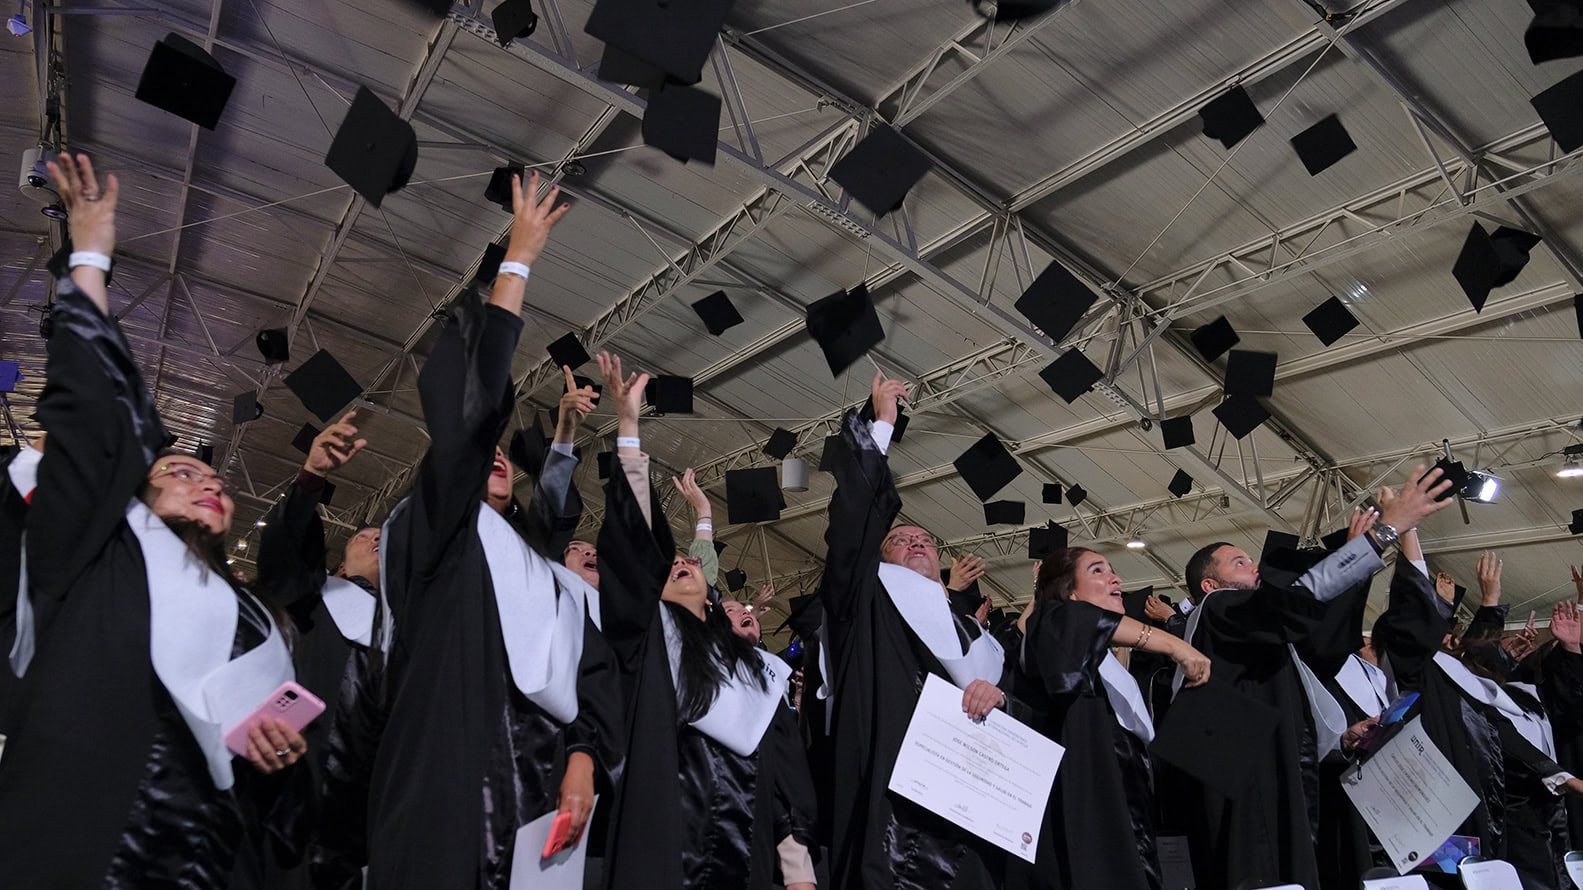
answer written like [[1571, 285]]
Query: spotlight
[[56, 211], [261, 523], [1136, 544], [18, 26], [1482, 487], [1571, 469], [241, 545]]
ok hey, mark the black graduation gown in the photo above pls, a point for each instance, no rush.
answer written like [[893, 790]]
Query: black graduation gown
[[689, 812], [877, 667], [1103, 799], [464, 759], [1346, 847], [1562, 690], [1155, 672], [1407, 636], [1265, 834], [1536, 832], [13, 520], [291, 564], [102, 784]]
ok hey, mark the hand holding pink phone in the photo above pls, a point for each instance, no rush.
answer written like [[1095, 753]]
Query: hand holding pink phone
[[291, 704]]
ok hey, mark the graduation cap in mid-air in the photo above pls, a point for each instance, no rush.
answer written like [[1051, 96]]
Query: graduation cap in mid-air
[[1214, 339], [1076, 494], [753, 495], [1561, 108], [183, 79], [323, 386], [272, 345], [1330, 321], [245, 407], [568, 352], [499, 192], [1056, 301], [1319, 147], [880, 170], [673, 37], [1241, 415], [1177, 432], [489, 264], [1556, 31], [1491, 259], [529, 448], [1005, 513], [780, 443], [1231, 117], [1044, 541], [513, 20], [1250, 373], [1071, 375], [1180, 484], [374, 150], [1051, 493], [670, 394], [303, 441], [1576, 527], [987, 467], [683, 122], [718, 313], [846, 326]]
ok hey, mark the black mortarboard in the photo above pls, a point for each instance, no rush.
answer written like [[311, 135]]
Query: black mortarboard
[[169, 441], [1453, 470], [753, 495], [1217, 735], [675, 37], [1005, 513], [1044, 541], [1576, 527], [1071, 375], [736, 579], [720, 546], [529, 448], [590, 383], [374, 151], [1012, 10], [513, 19], [1323, 144], [303, 441], [1180, 484], [1335, 540], [1458, 592], [327, 493], [1250, 373], [683, 122], [1177, 431], [498, 191], [617, 65], [1330, 321], [804, 614], [719, 314], [567, 351], [489, 264], [323, 386], [1556, 31], [880, 170], [1241, 415], [668, 394], [833, 447], [1051, 493], [186, 81], [781, 442], [846, 326], [1230, 117], [1056, 301], [1491, 259], [987, 467], [1132, 603], [272, 345], [1076, 494], [602, 462], [245, 407], [1213, 340], [205, 453], [1275, 540], [1561, 108], [1577, 306]]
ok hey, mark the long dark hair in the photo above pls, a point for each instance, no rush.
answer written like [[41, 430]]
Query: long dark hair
[[1058, 574], [711, 654]]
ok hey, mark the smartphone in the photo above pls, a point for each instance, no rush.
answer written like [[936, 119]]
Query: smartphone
[[291, 704], [560, 833]]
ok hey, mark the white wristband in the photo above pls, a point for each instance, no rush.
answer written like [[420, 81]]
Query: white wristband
[[509, 268], [704, 527], [88, 258], [628, 442]]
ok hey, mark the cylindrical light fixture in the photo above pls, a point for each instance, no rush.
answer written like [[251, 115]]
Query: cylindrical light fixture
[[794, 474]]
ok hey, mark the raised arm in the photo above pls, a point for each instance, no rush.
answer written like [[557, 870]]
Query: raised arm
[[1490, 618], [556, 508], [465, 388], [633, 555], [703, 545], [291, 558], [104, 430], [864, 505]]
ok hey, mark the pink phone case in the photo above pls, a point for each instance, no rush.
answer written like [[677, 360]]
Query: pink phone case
[[292, 704], [560, 830]]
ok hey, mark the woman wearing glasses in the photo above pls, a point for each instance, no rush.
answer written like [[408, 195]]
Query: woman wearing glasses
[[138, 650], [716, 793]]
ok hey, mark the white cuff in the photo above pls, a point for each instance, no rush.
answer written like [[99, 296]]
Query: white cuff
[[88, 258], [882, 430], [704, 527], [1554, 784], [563, 448], [510, 268], [628, 442], [1422, 566]]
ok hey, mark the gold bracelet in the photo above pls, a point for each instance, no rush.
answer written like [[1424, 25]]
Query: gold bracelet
[[1143, 637]]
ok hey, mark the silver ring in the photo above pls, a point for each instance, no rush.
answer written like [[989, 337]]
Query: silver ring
[[282, 752]]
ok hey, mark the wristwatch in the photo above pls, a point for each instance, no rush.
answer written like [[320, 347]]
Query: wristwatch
[[1385, 535]]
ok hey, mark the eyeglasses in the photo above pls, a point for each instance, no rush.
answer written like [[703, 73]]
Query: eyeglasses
[[925, 540], [189, 474]]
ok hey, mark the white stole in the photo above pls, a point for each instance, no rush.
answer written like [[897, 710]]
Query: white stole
[[1365, 684], [1533, 727], [192, 616], [741, 711], [23, 473], [23, 470], [1330, 722], [1125, 698], [352, 609], [923, 605], [542, 630]]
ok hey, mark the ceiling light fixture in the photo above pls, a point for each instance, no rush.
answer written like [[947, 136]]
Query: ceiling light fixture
[[1572, 468], [1137, 544]]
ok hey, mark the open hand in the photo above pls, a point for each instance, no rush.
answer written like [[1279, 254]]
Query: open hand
[[1415, 502], [272, 745], [90, 210], [1156, 610], [334, 446], [1565, 627], [576, 404], [1490, 577], [626, 389], [765, 598], [1446, 587], [1356, 733], [531, 219], [687, 486], [1362, 521], [964, 571], [886, 395]]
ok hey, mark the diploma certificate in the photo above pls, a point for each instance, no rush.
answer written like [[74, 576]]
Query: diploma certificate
[[991, 778], [1410, 796]]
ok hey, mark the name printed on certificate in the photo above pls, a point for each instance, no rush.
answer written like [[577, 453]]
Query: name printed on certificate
[[991, 778]]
